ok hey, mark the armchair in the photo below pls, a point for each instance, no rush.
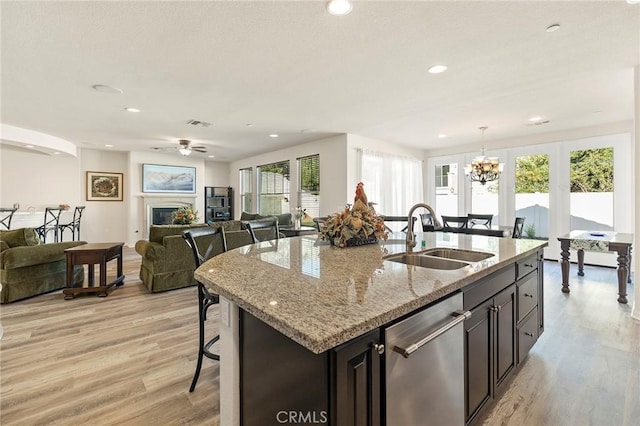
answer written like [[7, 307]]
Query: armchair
[[29, 267]]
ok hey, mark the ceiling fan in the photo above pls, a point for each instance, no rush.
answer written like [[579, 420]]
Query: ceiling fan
[[185, 147]]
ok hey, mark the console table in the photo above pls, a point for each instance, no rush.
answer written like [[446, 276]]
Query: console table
[[598, 242], [92, 254]]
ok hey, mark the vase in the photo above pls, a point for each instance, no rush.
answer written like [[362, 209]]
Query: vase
[[296, 223]]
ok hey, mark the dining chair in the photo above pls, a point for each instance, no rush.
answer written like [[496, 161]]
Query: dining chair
[[202, 242], [518, 226], [269, 229], [398, 219], [427, 222], [319, 221], [73, 226], [5, 217], [480, 220], [51, 223], [454, 223]]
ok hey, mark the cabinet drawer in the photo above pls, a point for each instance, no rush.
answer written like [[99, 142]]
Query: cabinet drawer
[[527, 295], [527, 265], [478, 292], [527, 335]]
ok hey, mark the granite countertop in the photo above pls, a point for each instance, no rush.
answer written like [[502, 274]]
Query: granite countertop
[[322, 296]]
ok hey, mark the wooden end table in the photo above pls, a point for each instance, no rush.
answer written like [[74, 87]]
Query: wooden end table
[[92, 254]]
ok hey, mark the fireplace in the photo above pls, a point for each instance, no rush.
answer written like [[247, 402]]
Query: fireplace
[[162, 215], [158, 208]]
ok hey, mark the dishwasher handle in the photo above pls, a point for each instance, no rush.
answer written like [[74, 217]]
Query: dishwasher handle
[[459, 315]]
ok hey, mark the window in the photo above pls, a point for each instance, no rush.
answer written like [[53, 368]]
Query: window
[[484, 199], [591, 174], [393, 182], [532, 194], [446, 189], [246, 190], [309, 186], [273, 187], [442, 175]]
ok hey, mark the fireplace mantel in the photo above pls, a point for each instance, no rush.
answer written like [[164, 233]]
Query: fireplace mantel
[[151, 201]]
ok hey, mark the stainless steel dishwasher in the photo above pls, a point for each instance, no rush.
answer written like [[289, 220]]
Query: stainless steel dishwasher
[[424, 366]]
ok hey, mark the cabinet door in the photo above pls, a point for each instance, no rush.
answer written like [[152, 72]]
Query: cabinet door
[[504, 308], [357, 382], [478, 338]]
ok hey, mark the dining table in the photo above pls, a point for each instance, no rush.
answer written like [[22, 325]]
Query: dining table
[[597, 241]]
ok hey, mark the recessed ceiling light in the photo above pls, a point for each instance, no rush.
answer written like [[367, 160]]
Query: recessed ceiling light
[[28, 146], [308, 131], [129, 109], [211, 156], [103, 88], [56, 153], [536, 118], [552, 28], [249, 125], [109, 146], [437, 69], [633, 1], [339, 7], [442, 136], [273, 135]]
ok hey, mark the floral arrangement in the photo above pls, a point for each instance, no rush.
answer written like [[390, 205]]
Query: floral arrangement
[[184, 216], [354, 226]]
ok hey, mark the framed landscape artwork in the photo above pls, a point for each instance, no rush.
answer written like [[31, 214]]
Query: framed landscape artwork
[[159, 178], [104, 186]]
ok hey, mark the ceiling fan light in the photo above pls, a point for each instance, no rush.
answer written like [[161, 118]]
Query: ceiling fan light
[[339, 7], [184, 151]]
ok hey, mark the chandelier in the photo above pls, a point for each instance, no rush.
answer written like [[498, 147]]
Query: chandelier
[[484, 169]]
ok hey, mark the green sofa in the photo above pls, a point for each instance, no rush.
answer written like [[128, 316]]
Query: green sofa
[[167, 261], [29, 267]]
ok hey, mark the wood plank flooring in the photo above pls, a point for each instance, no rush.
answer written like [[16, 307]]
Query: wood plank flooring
[[128, 359]]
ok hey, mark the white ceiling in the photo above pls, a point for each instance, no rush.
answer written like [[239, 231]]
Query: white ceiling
[[289, 66]]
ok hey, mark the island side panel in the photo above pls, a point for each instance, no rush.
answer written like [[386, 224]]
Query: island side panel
[[229, 363], [281, 382]]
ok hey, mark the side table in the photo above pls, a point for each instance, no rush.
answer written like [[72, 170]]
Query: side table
[[92, 254], [293, 231]]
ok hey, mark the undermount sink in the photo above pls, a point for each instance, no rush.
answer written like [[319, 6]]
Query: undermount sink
[[465, 255], [418, 259]]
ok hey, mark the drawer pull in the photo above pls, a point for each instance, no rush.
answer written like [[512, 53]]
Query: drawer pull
[[528, 334], [378, 347], [528, 265], [528, 295]]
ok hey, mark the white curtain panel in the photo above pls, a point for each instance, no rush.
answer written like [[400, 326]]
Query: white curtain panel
[[393, 182]]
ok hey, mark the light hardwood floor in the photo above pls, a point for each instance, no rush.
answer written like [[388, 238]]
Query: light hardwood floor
[[128, 359]]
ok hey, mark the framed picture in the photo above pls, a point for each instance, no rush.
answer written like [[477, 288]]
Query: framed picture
[[159, 178], [104, 186]]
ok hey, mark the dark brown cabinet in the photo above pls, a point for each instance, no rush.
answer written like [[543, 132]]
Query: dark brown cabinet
[[218, 203], [490, 348], [357, 382], [506, 321]]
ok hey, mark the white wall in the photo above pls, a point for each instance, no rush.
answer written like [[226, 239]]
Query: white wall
[[104, 221], [333, 171], [38, 180]]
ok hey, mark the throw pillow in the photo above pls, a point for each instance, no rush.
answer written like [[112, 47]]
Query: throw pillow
[[248, 216]]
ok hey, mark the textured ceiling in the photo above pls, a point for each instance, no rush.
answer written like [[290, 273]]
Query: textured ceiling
[[289, 66]]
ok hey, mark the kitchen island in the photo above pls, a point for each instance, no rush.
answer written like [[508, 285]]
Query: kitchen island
[[302, 323]]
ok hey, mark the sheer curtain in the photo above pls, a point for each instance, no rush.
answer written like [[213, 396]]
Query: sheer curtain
[[393, 182]]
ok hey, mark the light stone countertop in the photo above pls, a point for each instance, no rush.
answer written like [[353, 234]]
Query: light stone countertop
[[322, 296]]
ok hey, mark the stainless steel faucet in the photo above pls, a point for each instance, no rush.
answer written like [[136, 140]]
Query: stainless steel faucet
[[411, 237]]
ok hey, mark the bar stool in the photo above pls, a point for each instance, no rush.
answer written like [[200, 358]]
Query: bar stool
[[51, 223], [263, 224], [196, 238], [74, 225], [5, 217]]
